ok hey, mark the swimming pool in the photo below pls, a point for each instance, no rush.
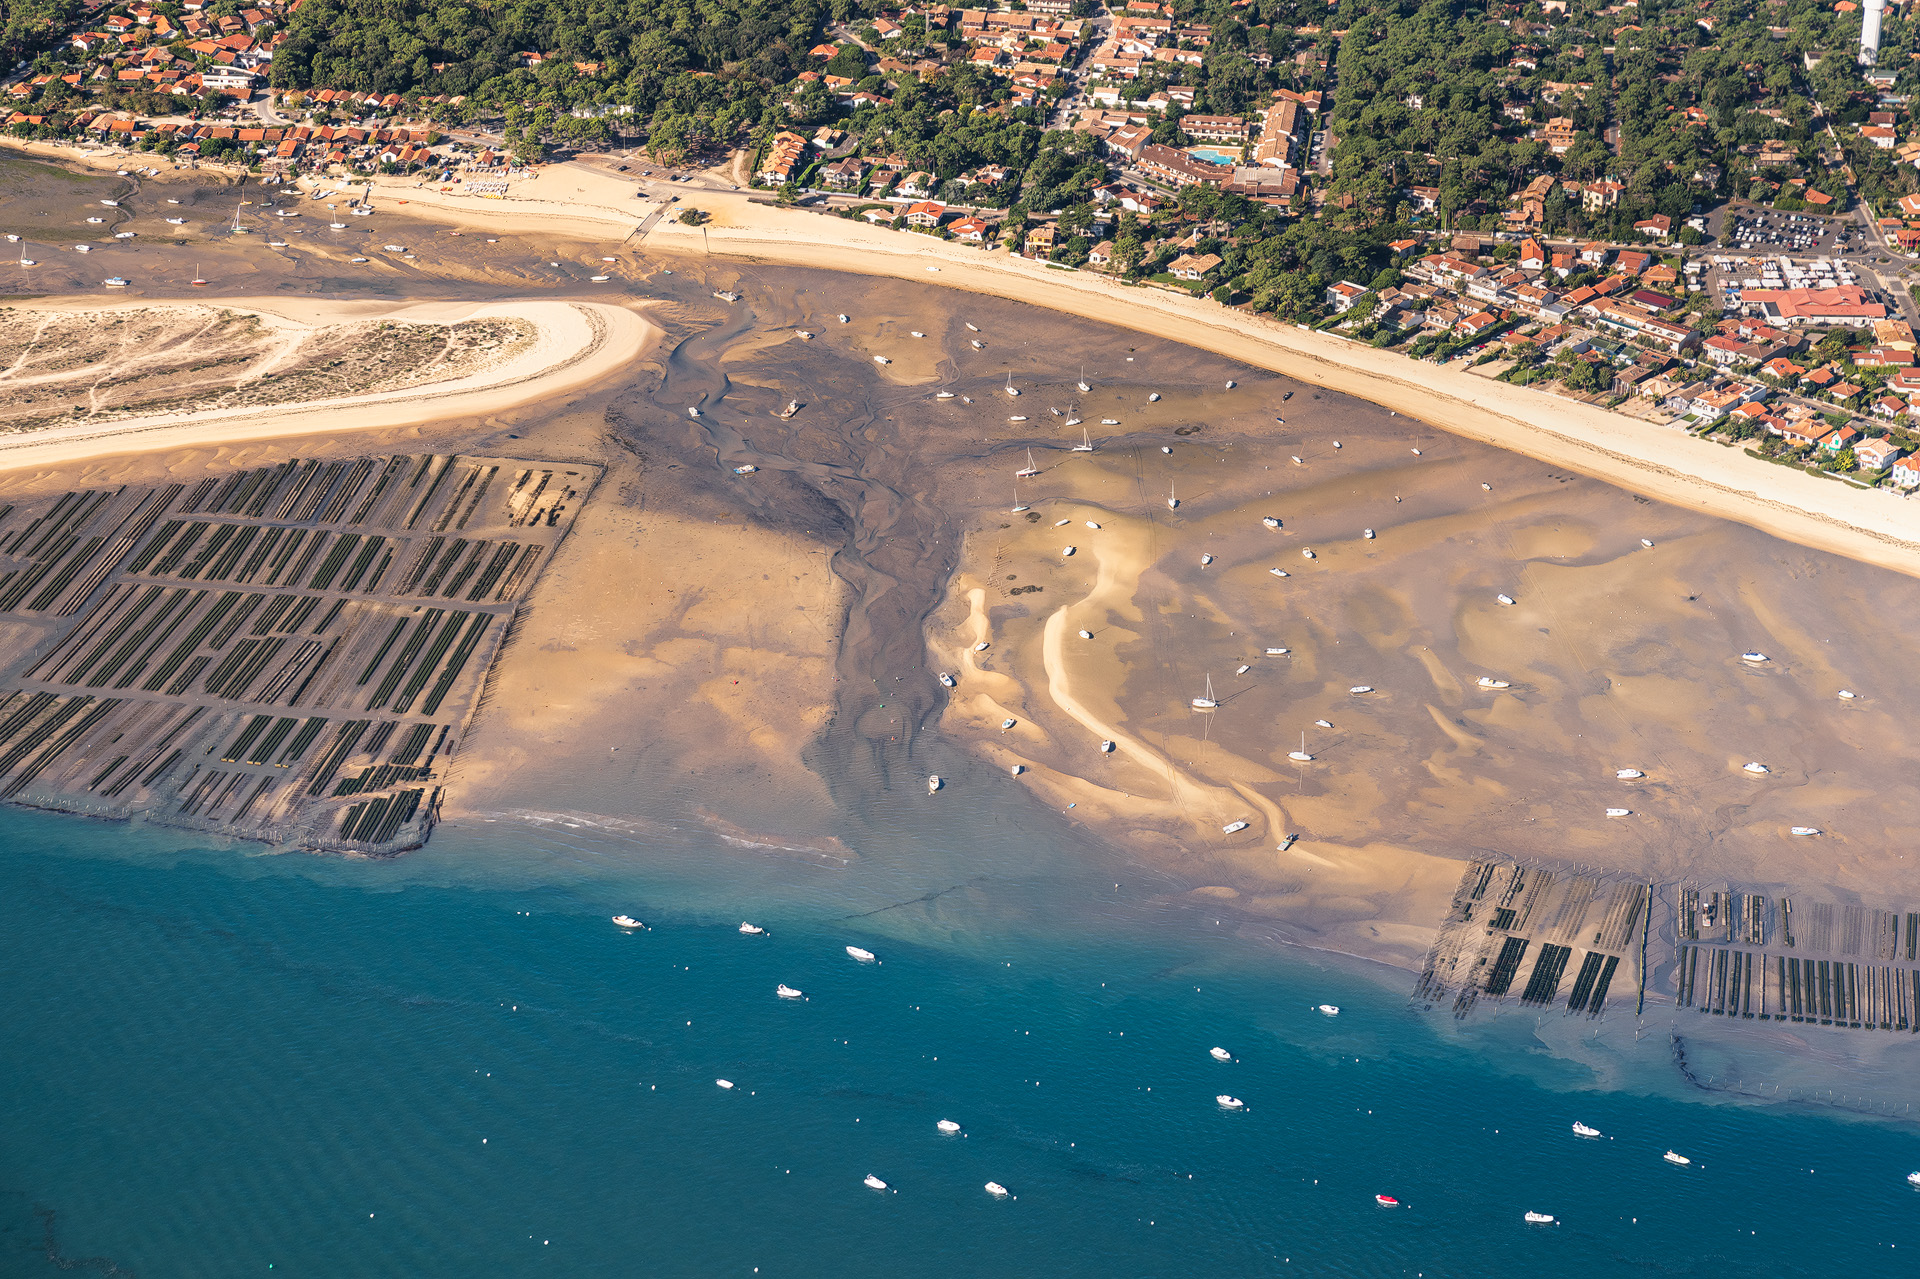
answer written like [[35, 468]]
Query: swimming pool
[[1214, 155]]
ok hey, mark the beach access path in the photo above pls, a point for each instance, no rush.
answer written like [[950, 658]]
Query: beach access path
[[1874, 526]]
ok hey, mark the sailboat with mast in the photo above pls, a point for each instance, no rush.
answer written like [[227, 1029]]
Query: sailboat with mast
[[1032, 469], [1011, 388], [1209, 702], [198, 280], [1082, 383], [1086, 442], [237, 229], [1173, 503]]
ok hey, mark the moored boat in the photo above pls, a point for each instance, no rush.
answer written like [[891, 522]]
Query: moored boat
[[997, 1190], [752, 930], [1219, 1054], [627, 921], [862, 954], [1230, 1103], [1582, 1130], [785, 991]]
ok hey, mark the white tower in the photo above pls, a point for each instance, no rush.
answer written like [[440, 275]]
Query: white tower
[[1870, 32]]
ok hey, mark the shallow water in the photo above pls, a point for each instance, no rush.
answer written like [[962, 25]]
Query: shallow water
[[453, 1064]]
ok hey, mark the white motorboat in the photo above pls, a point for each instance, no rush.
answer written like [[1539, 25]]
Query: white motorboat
[[997, 1190], [1805, 830], [1154, 398], [1230, 1103], [361, 261], [1330, 1010], [362, 212], [599, 279], [881, 359], [752, 930], [1358, 689], [863, 955], [971, 327], [1061, 523], [1279, 572], [1219, 1054], [981, 647], [1007, 723], [1628, 774], [627, 921], [1278, 652], [1307, 553], [723, 1083], [1092, 523], [1847, 694], [841, 318], [394, 248], [1755, 767], [276, 244], [1672, 1158], [1106, 747], [1336, 444], [1230, 384], [943, 395], [1539, 1219], [1086, 634], [1755, 657], [1367, 533], [978, 345], [934, 783], [916, 333], [1296, 460], [805, 336], [337, 226], [1913, 1179], [748, 469], [692, 411], [786, 992], [1030, 470], [1233, 828], [1619, 812], [948, 1126], [117, 281], [786, 414], [1017, 769], [96, 219], [1644, 542], [1488, 681], [1109, 421], [1209, 702], [1020, 418], [111, 204], [1242, 669], [1582, 1130], [1069, 550], [1205, 560], [1323, 723], [1504, 598], [83, 248], [1270, 521], [874, 1183], [946, 679]]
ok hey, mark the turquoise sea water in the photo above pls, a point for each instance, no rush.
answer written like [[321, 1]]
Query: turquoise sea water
[[224, 1063]]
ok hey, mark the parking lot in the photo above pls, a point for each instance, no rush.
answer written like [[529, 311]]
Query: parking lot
[[1800, 233]]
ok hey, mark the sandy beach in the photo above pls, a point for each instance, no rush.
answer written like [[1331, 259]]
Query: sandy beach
[[1877, 527]]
